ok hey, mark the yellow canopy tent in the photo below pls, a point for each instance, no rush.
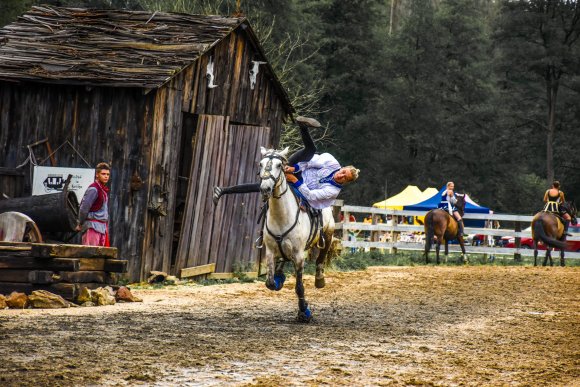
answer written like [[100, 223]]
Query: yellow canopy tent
[[410, 195], [429, 192]]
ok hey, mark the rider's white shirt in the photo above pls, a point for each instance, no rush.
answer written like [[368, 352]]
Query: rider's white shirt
[[319, 195]]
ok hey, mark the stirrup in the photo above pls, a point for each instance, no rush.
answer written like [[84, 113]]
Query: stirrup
[[321, 243], [259, 242]]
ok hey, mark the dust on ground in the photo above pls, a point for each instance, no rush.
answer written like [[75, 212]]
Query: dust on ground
[[517, 326]]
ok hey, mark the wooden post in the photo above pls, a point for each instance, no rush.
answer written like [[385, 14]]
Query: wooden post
[[394, 222], [374, 233], [345, 221], [518, 243]]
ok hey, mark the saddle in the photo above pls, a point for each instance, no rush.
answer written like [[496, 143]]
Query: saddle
[[316, 222], [558, 215]]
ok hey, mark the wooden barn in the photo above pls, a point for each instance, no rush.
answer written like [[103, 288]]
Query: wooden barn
[[176, 103]]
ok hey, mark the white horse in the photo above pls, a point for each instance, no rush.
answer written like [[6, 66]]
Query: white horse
[[288, 230]]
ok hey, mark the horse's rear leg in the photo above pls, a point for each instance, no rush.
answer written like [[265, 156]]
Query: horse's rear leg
[[304, 313], [446, 250], [562, 263], [319, 281], [427, 249], [464, 257], [437, 249], [535, 252]]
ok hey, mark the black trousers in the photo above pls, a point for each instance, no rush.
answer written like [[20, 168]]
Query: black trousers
[[303, 154]]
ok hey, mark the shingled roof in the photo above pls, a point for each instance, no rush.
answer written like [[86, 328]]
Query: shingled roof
[[106, 47]]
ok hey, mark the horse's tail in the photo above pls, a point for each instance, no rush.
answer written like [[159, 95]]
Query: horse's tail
[[540, 234], [429, 232]]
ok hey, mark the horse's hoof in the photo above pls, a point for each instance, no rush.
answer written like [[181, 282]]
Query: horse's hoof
[[319, 283], [279, 280], [305, 316], [271, 286]]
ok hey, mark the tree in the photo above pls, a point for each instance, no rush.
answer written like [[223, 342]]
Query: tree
[[11, 9], [537, 44]]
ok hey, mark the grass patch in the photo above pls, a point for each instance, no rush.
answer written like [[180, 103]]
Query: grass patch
[[360, 260]]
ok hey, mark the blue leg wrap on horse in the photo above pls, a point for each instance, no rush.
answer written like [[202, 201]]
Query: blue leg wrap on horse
[[307, 312], [279, 281]]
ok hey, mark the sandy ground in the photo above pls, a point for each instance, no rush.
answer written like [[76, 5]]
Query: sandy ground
[[442, 326]]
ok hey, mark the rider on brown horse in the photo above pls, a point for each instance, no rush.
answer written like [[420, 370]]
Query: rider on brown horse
[[554, 198], [448, 201]]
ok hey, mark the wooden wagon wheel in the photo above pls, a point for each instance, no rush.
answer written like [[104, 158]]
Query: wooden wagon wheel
[[32, 233]]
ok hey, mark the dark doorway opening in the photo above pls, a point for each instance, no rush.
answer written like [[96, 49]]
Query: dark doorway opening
[[188, 131]]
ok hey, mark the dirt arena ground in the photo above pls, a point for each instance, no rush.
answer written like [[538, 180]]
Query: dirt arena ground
[[402, 326]]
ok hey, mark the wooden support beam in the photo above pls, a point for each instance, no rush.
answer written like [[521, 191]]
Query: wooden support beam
[[26, 276], [11, 171], [41, 277], [43, 250], [8, 249], [31, 263], [17, 244], [197, 270], [86, 276], [103, 264]]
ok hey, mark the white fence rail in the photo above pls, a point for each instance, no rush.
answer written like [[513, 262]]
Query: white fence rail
[[410, 237]]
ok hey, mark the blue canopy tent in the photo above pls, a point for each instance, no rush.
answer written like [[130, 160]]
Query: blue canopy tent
[[470, 208]]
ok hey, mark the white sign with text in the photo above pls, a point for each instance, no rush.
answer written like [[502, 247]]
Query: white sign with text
[[49, 180]]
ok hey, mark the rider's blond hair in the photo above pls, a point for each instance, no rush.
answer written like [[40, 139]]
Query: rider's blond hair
[[354, 173]]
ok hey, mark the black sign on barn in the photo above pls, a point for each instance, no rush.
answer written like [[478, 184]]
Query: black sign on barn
[[176, 103]]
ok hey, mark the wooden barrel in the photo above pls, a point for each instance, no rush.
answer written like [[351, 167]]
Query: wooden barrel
[[52, 213]]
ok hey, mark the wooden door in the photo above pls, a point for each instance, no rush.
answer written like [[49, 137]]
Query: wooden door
[[224, 155]]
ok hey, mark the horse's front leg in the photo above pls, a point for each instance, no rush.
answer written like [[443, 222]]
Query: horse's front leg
[[275, 278], [446, 250], [270, 284], [304, 314], [535, 252], [562, 263], [438, 249]]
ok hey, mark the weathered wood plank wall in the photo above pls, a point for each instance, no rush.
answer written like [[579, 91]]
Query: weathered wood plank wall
[[162, 184], [224, 234], [233, 97], [140, 135], [12, 183], [103, 124]]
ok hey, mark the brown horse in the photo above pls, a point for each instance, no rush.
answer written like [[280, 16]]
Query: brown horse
[[442, 226], [549, 229]]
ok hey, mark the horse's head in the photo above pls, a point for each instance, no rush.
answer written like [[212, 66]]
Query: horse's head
[[570, 208], [272, 170], [460, 205]]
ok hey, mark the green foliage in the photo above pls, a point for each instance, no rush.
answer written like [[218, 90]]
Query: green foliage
[[483, 93], [11, 9]]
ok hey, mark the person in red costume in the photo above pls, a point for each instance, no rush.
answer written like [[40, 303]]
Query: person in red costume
[[94, 209]]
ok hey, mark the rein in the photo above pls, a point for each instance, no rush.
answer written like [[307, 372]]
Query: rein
[[277, 182]]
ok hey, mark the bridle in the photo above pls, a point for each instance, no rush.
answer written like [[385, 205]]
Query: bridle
[[570, 208], [277, 181], [268, 172]]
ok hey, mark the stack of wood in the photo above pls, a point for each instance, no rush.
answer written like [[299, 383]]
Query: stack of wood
[[60, 269]]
